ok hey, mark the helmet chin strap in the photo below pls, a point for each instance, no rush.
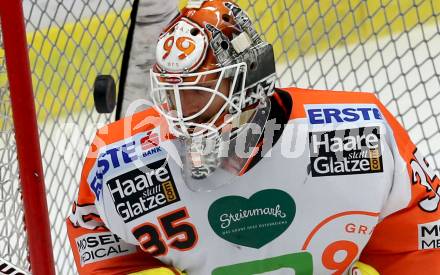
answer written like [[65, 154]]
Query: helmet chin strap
[[213, 162]]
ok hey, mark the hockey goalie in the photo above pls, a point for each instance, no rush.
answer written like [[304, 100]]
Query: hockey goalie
[[228, 175]]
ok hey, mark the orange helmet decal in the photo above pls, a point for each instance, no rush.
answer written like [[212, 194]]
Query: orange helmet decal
[[182, 48]]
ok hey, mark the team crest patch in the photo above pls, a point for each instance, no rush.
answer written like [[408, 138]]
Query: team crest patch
[[252, 222], [345, 152]]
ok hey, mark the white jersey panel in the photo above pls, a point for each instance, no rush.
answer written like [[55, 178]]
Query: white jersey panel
[[297, 209]]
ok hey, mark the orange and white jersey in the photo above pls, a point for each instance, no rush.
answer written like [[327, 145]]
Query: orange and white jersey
[[342, 183]]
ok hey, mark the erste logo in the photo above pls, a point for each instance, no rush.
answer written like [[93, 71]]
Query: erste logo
[[137, 148], [326, 114]]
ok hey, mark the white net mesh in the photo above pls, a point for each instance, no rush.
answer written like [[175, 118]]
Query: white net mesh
[[12, 236], [387, 46], [70, 43]]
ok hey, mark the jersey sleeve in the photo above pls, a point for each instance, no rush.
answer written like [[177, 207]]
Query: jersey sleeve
[[407, 238], [97, 250]]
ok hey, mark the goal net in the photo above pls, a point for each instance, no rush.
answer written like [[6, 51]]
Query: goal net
[[389, 47]]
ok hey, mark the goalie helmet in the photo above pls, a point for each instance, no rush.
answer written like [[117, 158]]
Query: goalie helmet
[[207, 44], [211, 53]]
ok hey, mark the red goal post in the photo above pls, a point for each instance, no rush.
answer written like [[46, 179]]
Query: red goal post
[[33, 192]]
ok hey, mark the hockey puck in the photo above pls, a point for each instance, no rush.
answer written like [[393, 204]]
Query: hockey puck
[[104, 94]]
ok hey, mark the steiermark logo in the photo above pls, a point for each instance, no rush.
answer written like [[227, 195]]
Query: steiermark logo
[[252, 222]]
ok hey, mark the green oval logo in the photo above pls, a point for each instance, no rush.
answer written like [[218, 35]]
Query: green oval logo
[[252, 222]]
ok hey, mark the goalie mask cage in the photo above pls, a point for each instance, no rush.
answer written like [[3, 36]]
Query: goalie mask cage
[[389, 47]]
